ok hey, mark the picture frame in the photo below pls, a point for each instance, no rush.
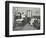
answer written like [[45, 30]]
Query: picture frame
[[19, 5]]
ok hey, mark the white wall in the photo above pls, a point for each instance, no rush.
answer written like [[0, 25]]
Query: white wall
[[35, 11]]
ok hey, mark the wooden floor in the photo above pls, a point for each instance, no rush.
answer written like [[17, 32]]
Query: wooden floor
[[26, 27], [29, 27]]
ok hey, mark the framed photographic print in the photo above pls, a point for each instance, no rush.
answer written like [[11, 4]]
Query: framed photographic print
[[24, 18]]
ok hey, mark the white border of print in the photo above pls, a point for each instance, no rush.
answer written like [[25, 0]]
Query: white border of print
[[11, 32]]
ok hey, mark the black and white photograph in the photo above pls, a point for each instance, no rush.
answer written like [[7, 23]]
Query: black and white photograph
[[24, 18]]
